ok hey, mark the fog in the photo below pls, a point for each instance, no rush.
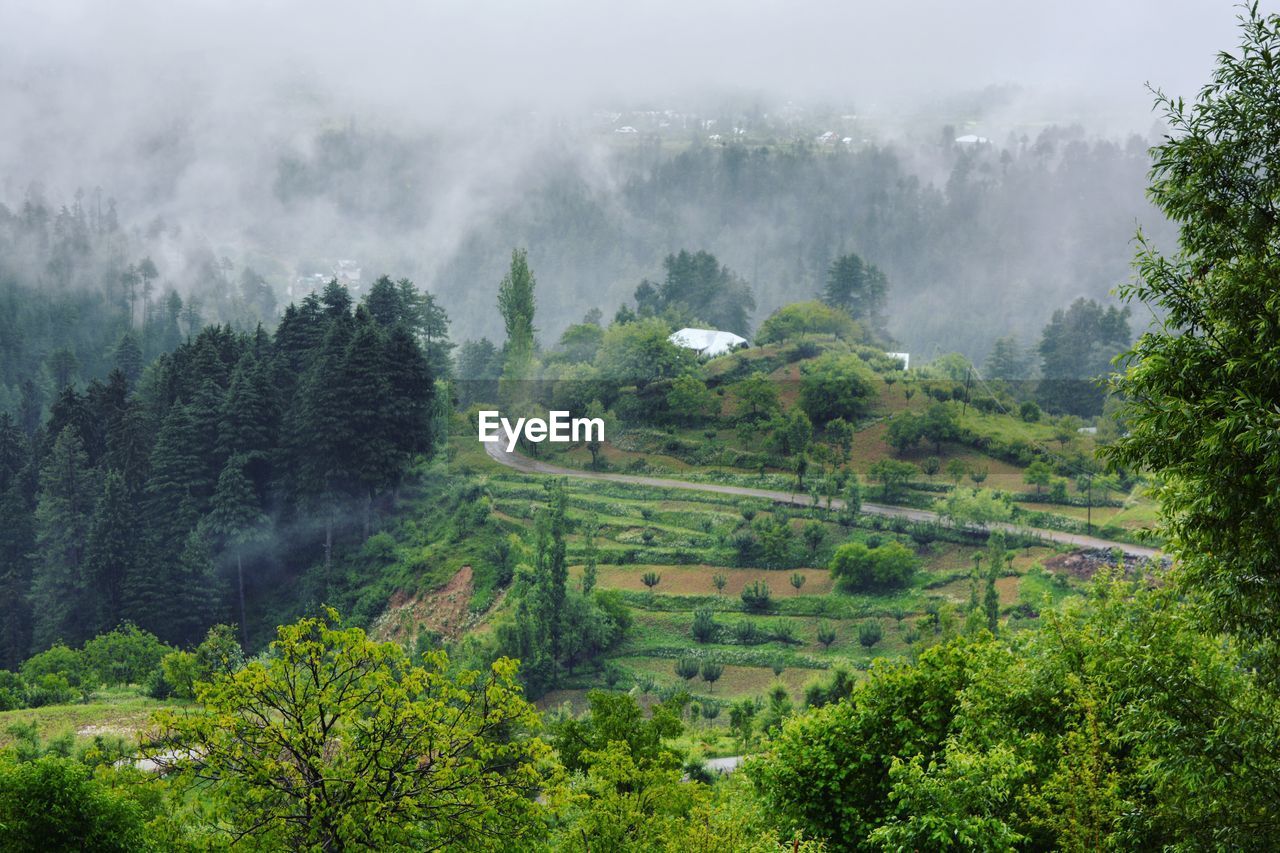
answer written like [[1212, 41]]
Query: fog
[[427, 141]]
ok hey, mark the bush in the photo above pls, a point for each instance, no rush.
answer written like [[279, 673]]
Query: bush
[[12, 691], [687, 668], [812, 317], [704, 627], [756, 597], [836, 386], [54, 803], [127, 655], [63, 661], [1029, 412], [747, 633], [870, 633], [826, 635], [862, 569], [49, 689]]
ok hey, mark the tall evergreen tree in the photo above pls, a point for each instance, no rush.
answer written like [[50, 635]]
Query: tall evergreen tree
[[59, 592], [237, 517], [250, 420], [111, 551], [411, 391], [857, 287]]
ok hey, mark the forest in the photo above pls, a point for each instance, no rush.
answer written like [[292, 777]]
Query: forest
[[262, 588]]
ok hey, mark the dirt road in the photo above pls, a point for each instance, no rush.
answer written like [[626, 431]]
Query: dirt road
[[533, 466]]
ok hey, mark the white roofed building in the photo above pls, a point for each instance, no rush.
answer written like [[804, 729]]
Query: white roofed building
[[708, 342]]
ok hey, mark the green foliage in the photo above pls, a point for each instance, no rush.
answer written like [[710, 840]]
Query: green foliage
[[861, 569], [892, 475], [870, 633], [828, 770], [1076, 348], [357, 717], [756, 597], [975, 507], [55, 804], [802, 318], [859, 288], [757, 396], [639, 353], [826, 634], [1200, 382], [836, 386], [70, 664], [704, 628], [687, 668], [127, 655], [711, 672], [690, 400], [1029, 412], [618, 718], [650, 579], [698, 288]]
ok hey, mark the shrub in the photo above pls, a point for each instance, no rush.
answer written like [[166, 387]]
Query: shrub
[[756, 597], [784, 632], [650, 579], [747, 633], [711, 672], [826, 635], [49, 689], [836, 386], [687, 668], [1029, 412], [59, 660], [55, 803], [704, 627], [813, 317], [127, 655], [12, 691], [864, 569], [870, 633]]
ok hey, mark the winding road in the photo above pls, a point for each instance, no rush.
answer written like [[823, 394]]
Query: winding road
[[532, 466]]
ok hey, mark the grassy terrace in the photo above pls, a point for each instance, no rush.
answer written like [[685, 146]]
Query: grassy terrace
[[682, 537]]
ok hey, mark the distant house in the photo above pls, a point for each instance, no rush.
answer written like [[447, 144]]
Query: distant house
[[971, 139], [626, 128], [904, 357], [708, 342]]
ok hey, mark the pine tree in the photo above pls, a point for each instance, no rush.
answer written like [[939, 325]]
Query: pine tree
[[195, 603], [111, 551], [368, 456], [250, 420], [411, 392], [317, 436], [17, 541], [59, 593], [237, 517]]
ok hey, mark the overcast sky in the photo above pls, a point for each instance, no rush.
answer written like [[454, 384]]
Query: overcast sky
[[425, 57]]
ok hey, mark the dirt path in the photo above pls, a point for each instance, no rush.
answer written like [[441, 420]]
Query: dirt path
[[533, 466]]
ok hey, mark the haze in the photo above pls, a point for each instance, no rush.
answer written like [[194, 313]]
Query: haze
[[187, 111]]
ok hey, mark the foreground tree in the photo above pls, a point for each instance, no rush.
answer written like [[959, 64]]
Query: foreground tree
[[1206, 373], [336, 741]]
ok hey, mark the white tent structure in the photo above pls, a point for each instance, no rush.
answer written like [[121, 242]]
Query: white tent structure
[[708, 342]]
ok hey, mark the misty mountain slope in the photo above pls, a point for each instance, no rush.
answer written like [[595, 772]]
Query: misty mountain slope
[[1004, 238]]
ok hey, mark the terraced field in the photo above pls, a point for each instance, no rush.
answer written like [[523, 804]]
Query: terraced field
[[685, 539]]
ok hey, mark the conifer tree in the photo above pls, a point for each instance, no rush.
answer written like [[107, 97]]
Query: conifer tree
[[111, 551], [58, 587], [237, 517]]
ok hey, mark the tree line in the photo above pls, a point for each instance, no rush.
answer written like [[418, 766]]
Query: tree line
[[238, 460]]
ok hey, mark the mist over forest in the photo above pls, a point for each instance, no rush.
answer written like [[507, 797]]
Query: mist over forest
[[307, 139]]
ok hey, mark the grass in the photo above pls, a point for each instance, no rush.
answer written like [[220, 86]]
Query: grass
[[118, 712]]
